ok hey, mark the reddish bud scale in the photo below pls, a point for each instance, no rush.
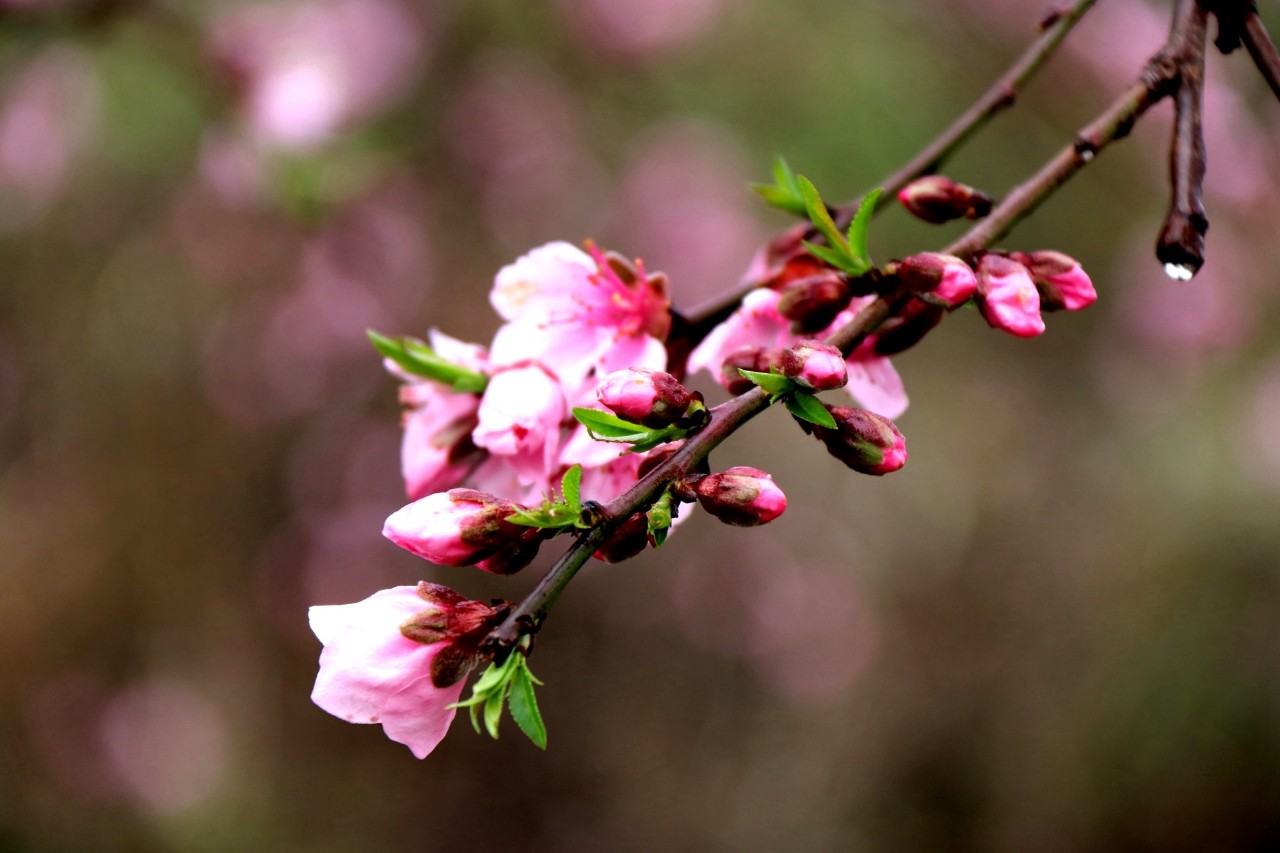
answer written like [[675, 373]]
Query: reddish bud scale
[[648, 397], [627, 541], [943, 280], [741, 496], [906, 330]]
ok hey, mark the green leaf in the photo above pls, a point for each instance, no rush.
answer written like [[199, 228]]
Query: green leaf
[[835, 257], [784, 193], [606, 426], [808, 408], [571, 489], [858, 228], [493, 711], [417, 358], [771, 382], [523, 705], [819, 215]]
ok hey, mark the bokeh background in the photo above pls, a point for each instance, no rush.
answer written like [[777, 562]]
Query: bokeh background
[[1056, 630]]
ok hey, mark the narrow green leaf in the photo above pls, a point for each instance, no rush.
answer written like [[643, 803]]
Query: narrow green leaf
[[493, 711], [523, 706], [607, 426], [571, 489], [417, 358], [858, 227], [819, 215], [474, 711], [771, 382], [808, 408], [835, 257]]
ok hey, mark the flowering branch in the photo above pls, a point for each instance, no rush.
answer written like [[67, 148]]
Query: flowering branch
[[1180, 245], [1262, 49], [1000, 96]]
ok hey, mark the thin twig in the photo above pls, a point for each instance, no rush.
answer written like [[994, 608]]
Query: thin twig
[[1114, 123], [1180, 245], [1263, 50], [1002, 95]]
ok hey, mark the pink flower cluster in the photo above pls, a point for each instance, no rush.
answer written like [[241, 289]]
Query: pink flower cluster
[[572, 318]]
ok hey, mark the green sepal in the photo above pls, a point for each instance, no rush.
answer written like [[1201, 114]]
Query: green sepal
[[784, 193], [604, 426], [809, 408], [659, 518], [858, 228], [775, 384], [417, 358], [523, 705]]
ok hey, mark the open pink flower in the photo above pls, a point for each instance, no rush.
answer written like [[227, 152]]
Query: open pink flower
[[873, 381], [576, 312], [400, 658], [519, 419]]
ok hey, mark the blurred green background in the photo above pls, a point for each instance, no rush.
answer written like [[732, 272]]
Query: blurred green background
[[1055, 630]]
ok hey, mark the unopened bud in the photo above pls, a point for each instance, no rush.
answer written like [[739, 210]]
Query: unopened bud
[[939, 199], [758, 359], [864, 441], [459, 527], [941, 279], [649, 397], [814, 365], [514, 557], [627, 541], [1007, 296], [1062, 282], [741, 496], [812, 303], [900, 333]]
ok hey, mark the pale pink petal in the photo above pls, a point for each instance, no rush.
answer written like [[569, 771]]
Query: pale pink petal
[[874, 384], [418, 716], [538, 281], [756, 324]]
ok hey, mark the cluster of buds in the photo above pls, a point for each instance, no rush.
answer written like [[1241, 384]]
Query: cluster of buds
[[939, 199]]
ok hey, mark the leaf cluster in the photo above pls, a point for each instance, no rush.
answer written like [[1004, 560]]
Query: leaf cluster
[[508, 684]]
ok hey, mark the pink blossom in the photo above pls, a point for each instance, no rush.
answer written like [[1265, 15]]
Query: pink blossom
[[399, 658], [1008, 298], [741, 496], [459, 527], [873, 381], [519, 419], [649, 397], [575, 313]]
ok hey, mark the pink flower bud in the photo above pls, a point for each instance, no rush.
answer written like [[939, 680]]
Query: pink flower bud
[[459, 527], [939, 199], [1062, 283], [940, 279], [741, 496], [813, 303], [814, 365], [399, 658], [1007, 296], [649, 397], [901, 333], [864, 441]]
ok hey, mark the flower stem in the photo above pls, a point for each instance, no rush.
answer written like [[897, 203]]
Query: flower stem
[[1263, 50]]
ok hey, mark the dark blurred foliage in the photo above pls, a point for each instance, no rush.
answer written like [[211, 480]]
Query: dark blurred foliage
[[1055, 630]]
